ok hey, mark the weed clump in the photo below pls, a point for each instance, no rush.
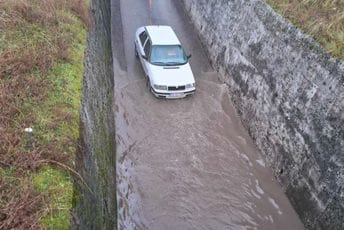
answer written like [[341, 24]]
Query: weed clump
[[21, 205]]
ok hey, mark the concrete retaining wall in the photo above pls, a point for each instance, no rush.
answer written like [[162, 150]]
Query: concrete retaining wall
[[290, 96], [95, 202]]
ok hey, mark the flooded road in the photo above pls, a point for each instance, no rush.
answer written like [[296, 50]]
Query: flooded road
[[185, 164]]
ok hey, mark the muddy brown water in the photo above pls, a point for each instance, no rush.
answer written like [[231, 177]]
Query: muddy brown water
[[185, 164]]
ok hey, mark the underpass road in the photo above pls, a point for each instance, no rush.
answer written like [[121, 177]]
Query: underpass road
[[185, 164]]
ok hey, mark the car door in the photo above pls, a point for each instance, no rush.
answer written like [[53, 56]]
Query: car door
[[140, 42], [146, 54]]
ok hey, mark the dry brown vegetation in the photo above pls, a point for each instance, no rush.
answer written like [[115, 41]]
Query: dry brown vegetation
[[323, 19], [24, 66], [42, 12], [21, 206]]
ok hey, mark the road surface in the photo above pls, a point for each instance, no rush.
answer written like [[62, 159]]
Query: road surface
[[185, 164]]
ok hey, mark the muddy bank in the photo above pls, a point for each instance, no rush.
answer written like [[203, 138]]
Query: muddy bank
[[95, 204], [290, 96]]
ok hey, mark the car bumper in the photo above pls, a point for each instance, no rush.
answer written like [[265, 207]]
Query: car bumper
[[173, 94]]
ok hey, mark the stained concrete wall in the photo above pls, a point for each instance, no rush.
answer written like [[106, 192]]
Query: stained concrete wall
[[290, 96], [95, 197]]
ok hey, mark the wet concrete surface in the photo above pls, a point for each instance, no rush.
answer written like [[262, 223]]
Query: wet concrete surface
[[185, 164]]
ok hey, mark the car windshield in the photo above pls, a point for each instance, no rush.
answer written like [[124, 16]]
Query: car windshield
[[168, 55]]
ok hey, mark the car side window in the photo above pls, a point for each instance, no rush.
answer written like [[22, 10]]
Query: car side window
[[147, 48], [143, 37]]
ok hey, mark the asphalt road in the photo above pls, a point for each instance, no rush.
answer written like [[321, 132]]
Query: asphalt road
[[189, 163]]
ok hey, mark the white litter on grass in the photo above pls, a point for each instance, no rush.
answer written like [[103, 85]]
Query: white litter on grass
[[28, 130]]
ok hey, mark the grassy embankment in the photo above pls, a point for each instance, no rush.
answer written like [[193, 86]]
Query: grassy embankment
[[322, 19], [41, 65]]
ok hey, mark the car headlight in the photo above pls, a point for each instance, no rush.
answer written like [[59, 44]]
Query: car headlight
[[160, 87], [188, 86]]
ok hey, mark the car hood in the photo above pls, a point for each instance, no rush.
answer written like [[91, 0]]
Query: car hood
[[171, 75]]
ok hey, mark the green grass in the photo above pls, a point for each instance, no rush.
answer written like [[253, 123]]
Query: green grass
[[64, 97], [57, 184], [322, 19], [45, 67]]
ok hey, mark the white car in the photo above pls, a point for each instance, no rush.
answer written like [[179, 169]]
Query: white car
[[164, 61]]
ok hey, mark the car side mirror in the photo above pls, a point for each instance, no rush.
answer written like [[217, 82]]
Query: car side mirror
[[144, 56], [189, 56]]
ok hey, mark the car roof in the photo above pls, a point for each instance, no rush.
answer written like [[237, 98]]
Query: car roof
[[162, 35]]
